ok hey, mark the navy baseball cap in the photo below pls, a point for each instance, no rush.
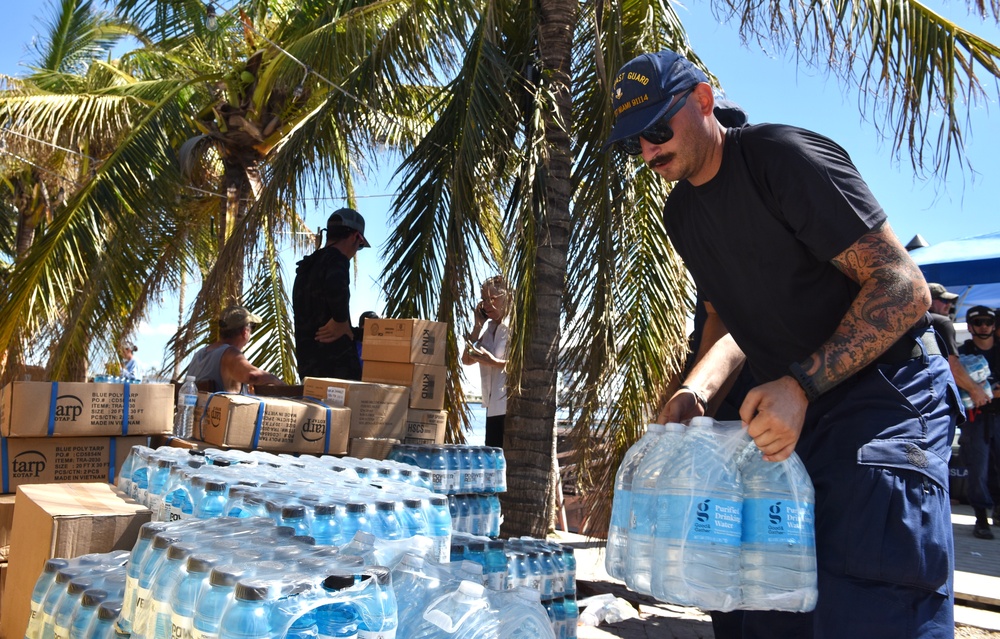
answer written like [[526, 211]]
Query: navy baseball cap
[[644, 88]]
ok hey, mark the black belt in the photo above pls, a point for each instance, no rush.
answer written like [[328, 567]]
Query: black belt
[[908, 347]]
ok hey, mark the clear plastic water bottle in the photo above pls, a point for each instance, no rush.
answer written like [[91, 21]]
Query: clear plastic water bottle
[[213, 601], [185, 596], [167, 578], [104, 625], [355, 519], [643, 516], [187, 399], [213, 502], [325, 526], [337, 620], [379, 614], [247, 617], [454, 470], [779, 549], [85, 614], [451, 613], [699, 525], [496, 565], [42, 585], [501, 470], [132, 570], [386, 524], [616, 552], [438, 465], [440, 527], [68, 604]]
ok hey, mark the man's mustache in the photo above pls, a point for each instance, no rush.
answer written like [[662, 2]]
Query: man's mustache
[[663, 158]]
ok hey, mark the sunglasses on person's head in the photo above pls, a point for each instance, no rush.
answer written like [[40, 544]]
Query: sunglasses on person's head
[[985, 321], [658, 133]]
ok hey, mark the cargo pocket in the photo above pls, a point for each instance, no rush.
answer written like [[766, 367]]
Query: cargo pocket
[[901, 514]]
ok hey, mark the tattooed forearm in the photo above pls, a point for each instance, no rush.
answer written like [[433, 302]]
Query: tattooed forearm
[[893, 296]]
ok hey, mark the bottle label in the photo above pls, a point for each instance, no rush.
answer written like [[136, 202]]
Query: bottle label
[[189, 400], [203, 634], [778, 521], [181, 626], [377, 634], [621, 509], [702, 519], [439, 481]]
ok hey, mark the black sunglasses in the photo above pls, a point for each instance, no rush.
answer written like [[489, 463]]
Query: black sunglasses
[[982, 322], [658, 133]]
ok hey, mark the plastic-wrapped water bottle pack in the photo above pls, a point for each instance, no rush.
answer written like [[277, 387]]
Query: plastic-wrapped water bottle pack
[[711, 524]]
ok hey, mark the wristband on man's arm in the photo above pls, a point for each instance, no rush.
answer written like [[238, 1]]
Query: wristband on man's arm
[[697, 396], [805, 381]]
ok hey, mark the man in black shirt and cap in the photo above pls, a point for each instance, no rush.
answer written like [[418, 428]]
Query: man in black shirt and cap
[[321, 299]]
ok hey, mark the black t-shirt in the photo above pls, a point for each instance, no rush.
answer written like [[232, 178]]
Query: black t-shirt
[[759, 244], [321, 292], [945, 328]]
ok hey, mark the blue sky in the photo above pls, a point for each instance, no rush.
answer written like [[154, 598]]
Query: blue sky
[[772, 88]]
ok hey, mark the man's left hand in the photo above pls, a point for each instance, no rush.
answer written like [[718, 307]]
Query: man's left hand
[[774, 413], [332, 331]]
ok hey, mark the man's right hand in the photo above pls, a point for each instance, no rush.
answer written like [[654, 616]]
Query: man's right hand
[[332, 331], [682, 406]]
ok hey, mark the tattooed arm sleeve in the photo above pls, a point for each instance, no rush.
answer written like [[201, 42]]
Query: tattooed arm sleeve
[[892, 298]]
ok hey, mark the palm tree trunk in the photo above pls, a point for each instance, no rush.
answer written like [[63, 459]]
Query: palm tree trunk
[[530, 445]]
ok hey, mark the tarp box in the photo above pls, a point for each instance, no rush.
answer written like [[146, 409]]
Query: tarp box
[[274, 424], [46, 460], [413, 341], [77, 409], [426, 381], [61, 520], [425, 426], [377, 410]]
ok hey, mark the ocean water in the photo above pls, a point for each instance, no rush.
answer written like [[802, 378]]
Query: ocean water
[[477, 436]]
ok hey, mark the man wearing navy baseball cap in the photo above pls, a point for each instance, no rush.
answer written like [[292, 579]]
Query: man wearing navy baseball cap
[[805, 281]]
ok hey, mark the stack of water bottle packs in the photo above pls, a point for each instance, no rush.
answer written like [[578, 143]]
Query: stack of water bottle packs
[[700, 519], [249, 578], [260, 546], [471, 476]]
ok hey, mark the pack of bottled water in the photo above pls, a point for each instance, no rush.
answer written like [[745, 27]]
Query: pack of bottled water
[[457, 468], [326, 498], [979, 370], [250, 578], [78, 598], [711, 524]]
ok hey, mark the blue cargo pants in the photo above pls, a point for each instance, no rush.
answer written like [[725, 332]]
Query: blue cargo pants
[[877, 449]]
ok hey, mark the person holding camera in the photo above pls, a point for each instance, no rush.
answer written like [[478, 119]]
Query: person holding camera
[[486, 345]]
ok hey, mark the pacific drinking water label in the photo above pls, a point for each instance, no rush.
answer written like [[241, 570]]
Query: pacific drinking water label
[[710, 520], [621, 508], [180, 626], [778, 521]]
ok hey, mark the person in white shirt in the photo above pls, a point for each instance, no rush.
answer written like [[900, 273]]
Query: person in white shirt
[[486, 345]]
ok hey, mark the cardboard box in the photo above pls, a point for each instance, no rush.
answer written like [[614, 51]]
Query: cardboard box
[[47, 460], [3, 582], [425, 381], [377, 410], [425, 426], [413, 341], [6, 521], [274, 424], [61, 520], [371, 447], [76, 409]]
